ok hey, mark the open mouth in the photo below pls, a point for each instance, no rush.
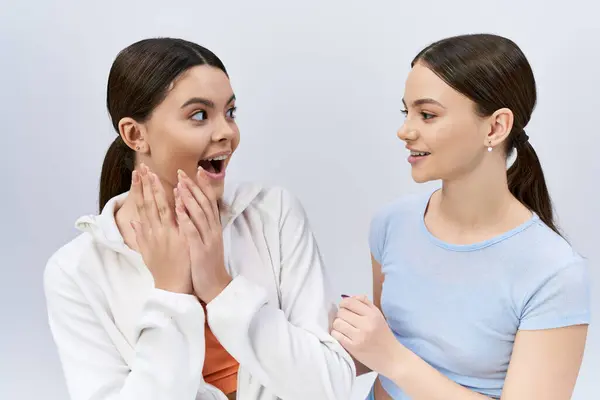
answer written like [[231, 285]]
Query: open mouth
[[419, 153], [213, 165]]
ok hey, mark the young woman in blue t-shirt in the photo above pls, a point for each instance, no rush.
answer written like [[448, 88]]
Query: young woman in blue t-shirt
[[476, 293]]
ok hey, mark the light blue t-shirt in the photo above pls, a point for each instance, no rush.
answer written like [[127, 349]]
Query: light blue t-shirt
[[459, 307]]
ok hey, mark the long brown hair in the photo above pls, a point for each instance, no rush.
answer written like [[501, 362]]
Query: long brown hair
[[494, 73], [138, 82]]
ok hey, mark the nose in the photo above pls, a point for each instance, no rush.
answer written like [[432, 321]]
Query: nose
[[407, 133], [224, 130]]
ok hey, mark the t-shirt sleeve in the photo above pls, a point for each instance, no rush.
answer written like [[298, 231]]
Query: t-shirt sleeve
[[378, 234], [562, 299]]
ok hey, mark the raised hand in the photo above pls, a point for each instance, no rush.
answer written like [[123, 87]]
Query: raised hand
[[198, 218], [160, 241]]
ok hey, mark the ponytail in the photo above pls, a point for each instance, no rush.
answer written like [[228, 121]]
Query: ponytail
[[526, 181], [117, 167]]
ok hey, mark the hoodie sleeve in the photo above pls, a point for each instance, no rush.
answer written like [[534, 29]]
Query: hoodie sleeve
[[167, 359], [287, 349]]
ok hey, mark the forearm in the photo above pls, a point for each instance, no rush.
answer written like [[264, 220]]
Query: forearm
[[420, 381], [169, 354], [292, 361], [165, 362]]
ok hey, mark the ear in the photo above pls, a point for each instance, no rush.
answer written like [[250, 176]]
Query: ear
[[500, 123], [132, 133]]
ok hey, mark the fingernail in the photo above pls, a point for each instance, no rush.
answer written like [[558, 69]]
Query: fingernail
[[135, 178], [181, 173], [345, 296], [132, 224]]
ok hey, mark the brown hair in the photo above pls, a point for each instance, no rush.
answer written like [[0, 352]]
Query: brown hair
[[138, 82], [494, 73]]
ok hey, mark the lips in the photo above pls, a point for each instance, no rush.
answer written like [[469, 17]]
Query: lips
[[417, 155]]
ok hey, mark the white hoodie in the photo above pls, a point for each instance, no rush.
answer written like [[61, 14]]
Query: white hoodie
[[120, 338]]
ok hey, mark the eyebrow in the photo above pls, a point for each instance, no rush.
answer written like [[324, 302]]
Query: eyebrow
[[206, 102], [420, 102]]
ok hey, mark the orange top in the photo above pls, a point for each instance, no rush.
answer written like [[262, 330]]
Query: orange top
[[220, 368]]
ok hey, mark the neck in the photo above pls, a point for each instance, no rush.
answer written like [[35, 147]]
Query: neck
[[481, 198]]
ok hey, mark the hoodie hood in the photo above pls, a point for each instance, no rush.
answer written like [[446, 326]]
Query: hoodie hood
[[103, 227]]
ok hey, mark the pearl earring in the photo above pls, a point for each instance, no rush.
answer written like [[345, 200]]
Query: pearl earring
[[490, 147]]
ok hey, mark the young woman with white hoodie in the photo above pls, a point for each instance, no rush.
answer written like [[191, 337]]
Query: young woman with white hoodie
[[180, 289]]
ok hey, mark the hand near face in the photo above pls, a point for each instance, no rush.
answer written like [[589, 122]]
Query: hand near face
[[160, 241], [199, 219], [362, 330]]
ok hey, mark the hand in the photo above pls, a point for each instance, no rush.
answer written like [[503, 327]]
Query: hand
[[162, 245], [362, 330], [198, 216]]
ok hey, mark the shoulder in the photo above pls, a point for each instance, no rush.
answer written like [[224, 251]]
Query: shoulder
[[66, 262], [552, 282], [547, 253], [400, 210], [269, 202], [399, 217]]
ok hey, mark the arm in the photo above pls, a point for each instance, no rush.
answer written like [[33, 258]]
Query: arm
[[549, 345], [420, 381], [167, 359], [288, 349], [545, 364]]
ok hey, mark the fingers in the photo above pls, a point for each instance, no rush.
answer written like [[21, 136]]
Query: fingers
[[186, 225], [202, 196], [199, 217], [149, 204], [342, 326], [140, 236], [162, 204], [344, 340], [204, 185], [349, 317], [138, 196], [356, 305]]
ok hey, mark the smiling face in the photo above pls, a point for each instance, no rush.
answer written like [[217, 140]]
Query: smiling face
[[442, 129], [193, 126]]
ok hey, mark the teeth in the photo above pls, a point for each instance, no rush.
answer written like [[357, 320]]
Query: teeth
[[218, 158], [418, 153]]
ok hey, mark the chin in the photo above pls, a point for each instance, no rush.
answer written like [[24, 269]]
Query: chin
[[420, 177]]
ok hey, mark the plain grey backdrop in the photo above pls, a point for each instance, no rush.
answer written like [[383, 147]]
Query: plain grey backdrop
[[319, 85]]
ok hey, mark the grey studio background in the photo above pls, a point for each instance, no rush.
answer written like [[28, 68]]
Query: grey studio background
[[319, 85]]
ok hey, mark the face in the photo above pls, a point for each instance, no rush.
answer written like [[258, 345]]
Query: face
[[194, 126], [444, 134]]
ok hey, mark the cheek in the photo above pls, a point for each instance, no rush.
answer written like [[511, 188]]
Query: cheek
[[235, 137], [451, 143], [180, 144]]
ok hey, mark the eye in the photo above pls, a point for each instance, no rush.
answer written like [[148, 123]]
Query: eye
[[427, 116], [231, 112], [199, 116]]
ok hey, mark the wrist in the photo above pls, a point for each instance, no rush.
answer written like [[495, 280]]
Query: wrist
[[216, 290], [398, 365], [174, 287]]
